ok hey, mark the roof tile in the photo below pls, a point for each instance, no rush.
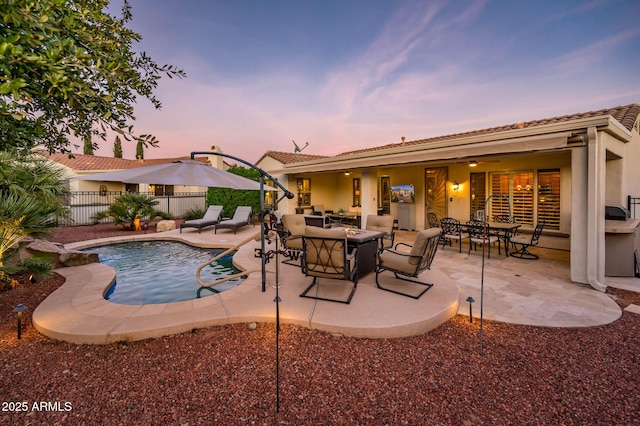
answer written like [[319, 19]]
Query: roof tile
[[626, 115], [83, 162]]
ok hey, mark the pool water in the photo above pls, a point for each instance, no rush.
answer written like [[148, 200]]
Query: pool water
[[154, 272]]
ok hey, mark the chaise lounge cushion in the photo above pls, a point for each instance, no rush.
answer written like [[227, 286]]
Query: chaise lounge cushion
[[241, 217], [211, 217]]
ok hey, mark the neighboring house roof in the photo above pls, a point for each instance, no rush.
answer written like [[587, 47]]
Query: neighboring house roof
[[289, 157], [83, 162], [626, 115]]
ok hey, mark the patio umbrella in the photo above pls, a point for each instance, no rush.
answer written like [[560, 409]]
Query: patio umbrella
[[179, 172]]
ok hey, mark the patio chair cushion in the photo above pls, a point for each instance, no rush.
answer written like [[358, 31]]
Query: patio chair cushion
[[211, 217], [294, 223], [398, 262], [380, 223], [421, 241], [334, 251]]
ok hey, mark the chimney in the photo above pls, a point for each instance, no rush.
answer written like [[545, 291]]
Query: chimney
[[216, 161]]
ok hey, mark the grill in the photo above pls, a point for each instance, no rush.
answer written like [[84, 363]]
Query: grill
[[616, 213]]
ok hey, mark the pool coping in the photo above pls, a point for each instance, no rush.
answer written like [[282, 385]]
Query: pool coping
[[77, 311]]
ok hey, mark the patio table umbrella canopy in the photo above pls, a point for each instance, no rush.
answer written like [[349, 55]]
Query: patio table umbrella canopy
[[179, 172]]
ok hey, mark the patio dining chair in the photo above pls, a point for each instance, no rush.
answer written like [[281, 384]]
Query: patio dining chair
[[452, 231], [241, 217], [525, 241], [210, 218], [504, 236], [410, 262], [432, 220], [503, 218], [479, 234], [326, 256]]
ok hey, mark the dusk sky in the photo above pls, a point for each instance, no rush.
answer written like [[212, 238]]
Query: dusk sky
[[350, 74]]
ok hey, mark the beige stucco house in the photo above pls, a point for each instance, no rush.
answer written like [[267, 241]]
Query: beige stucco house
[[84, 165], [563, 170]]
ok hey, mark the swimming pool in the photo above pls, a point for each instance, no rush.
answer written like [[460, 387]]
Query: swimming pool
[[152, 272]]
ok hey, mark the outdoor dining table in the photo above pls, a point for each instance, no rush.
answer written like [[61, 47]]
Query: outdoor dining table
[[504, 231], [346, 219], [367, 243]]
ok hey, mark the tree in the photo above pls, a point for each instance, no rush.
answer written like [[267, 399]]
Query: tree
[[88, 146], [32, 194], [117, 148], [68, 70], [140, 151]]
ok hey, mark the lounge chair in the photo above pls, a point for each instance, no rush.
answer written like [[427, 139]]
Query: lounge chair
[[382, 224], [325, 256], [409, 263], [210, 218], [291, 232], [241, 217]]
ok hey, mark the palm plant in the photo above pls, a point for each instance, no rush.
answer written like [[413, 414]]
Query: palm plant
[[130, 209], [32, 197]]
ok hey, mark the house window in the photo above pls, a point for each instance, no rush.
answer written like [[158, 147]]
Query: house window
[[356, 193], [160, 190], [522, 197], [132, 187], [478, 193], [549, 198], [304, 192], [532, 196]]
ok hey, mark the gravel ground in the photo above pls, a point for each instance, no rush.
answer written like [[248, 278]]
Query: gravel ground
[[227, 375]]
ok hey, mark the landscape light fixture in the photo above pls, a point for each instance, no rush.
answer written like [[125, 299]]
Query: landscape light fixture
[[19, 309], [470, 300]]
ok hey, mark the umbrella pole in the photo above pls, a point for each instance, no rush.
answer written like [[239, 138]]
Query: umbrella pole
[[262, 238]]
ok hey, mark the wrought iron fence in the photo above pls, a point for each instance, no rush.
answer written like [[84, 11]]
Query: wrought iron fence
[[84, 204], [632, 205]]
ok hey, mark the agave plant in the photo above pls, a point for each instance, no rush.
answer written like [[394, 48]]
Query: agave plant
[[131, 209]]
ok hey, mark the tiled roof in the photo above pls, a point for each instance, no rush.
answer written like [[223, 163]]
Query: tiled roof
[[626, 115], [83, 162], [289, 157]]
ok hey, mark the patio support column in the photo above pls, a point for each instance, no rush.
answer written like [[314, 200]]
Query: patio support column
[[588, 173], [579, 191], [368, 190], [597, 166]]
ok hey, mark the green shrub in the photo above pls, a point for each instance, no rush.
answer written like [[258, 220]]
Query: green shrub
[[192, 214], [232, 198], [39, 266], [131, 210]]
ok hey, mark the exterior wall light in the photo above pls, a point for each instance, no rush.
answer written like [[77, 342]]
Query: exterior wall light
[[456, 185]]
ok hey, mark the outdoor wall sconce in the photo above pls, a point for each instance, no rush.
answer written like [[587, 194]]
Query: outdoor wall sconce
[[473, 163], [470, 300], [455, 186], [19, 309]]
